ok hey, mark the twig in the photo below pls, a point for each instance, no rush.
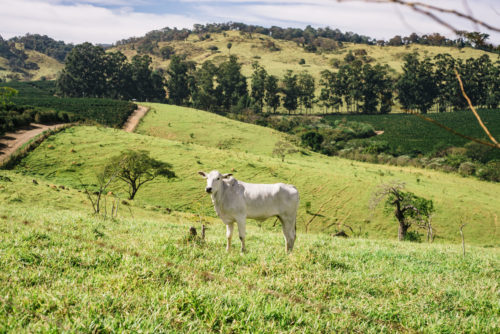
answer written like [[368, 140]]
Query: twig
[[419, 7], [474, 111]]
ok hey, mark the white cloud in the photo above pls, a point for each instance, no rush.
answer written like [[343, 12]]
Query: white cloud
[[81, 22], [87, 20]]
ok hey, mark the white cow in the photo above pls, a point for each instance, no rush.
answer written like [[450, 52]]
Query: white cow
[[235, 201]]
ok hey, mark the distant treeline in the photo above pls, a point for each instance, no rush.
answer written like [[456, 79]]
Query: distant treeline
[[311, 39], [357, 86], [45, 45]]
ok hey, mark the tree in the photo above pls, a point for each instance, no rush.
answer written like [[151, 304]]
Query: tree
[[204, 93], [259, 78], [118, 76], [271, 97], [408, 208], [83, 74], [417, 87], [305, 85], [229, 46], [329, 95], [136, 168], [167, 52], [313, 140], [148, 85], [232, 84], [290, 91], [283, 148], [6, 93], [178, 81]]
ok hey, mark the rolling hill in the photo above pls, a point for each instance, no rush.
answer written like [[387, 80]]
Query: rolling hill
[[338, 191]]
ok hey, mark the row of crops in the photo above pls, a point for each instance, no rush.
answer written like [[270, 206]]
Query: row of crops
[[408, 134], [36, 102]]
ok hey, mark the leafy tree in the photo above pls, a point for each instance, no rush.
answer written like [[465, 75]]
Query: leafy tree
[[408, 208], [282, 149], [306, 87], [271, 97], [232, 84], [329, 95], [178, 81], [259, 78], [136, 168], [313, 140], [167, 52], [118, 76], [148, 85], [204, 93], [290, 91], [417, 87], [83, 74], [6, 93]]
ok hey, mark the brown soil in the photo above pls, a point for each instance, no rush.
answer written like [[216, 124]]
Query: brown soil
[[12, 141], [134, 119]]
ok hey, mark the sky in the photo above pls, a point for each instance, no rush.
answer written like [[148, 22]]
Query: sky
[[107, 21]]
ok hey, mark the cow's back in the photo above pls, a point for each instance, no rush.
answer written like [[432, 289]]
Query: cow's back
[[266, 200]]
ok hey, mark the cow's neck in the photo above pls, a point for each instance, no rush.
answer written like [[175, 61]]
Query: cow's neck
[[217, 198]]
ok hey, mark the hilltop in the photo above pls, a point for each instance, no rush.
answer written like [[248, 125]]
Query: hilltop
[[33, 57]]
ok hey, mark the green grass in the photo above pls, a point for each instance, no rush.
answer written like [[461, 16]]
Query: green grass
[[190, 125], [342, 188], [409, 134], [62, 269]]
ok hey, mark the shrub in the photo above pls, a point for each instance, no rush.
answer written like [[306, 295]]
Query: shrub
[[466, 168], [490, 171]]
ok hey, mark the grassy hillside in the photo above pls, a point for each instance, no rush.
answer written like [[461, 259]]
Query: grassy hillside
[[409, 134], [65, 270], [207, 129], [48, 68], [342, 188], [255, 48]]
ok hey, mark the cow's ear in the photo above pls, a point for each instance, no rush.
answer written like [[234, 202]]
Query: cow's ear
[[203, 174], [225, 176]]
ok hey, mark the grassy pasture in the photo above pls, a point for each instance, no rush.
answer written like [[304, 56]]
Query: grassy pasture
[[341, 187], [408, 133], [62, 269]]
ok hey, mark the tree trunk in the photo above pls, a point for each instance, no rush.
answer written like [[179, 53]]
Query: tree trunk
[[403, 228]]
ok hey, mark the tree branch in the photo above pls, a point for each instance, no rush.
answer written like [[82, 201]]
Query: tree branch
[[426, 9], [474, 111]]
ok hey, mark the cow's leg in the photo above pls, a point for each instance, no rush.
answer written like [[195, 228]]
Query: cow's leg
[[288, 226], [229, 235], [242, 231]]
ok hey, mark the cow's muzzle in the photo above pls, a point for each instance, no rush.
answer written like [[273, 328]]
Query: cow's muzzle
[[208, 190]]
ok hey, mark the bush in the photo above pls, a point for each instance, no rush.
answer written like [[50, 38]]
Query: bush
[[413, 236], [466, 168], [490, 171]]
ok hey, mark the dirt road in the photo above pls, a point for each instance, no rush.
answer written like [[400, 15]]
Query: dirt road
[[135, 118], [12, 141]]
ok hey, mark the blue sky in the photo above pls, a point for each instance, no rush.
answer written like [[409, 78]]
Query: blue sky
[[106, 21]]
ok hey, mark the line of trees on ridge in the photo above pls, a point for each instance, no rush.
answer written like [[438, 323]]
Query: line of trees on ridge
[[357, 85]]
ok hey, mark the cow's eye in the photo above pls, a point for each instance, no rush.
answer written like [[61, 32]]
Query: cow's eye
[[218, 178]]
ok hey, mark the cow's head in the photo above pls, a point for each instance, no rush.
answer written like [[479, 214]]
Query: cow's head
[[214, 180]]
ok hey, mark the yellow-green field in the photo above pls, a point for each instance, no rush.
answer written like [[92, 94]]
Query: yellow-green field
[[277, 63], [49, 67], [341, 188], [65, 270]]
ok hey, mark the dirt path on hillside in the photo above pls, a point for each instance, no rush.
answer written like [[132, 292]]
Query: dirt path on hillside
[[14, 140], [135, 118], [10, 142]]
